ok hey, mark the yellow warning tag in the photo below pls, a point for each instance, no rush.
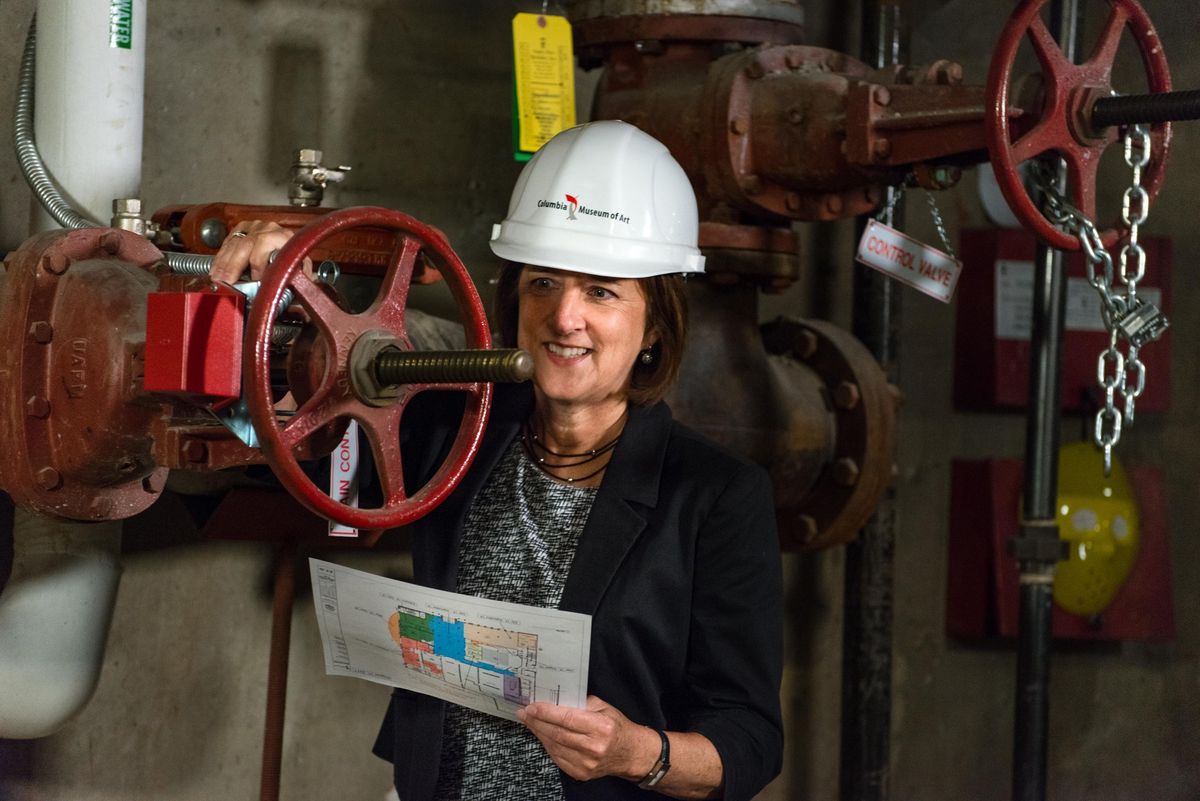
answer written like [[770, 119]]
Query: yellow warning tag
[[545, 78]]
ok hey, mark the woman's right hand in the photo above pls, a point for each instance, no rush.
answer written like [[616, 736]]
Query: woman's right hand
[[250, 244]]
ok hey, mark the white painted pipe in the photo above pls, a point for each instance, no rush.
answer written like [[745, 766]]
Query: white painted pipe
[[89, 83], [54, 617], [57, 605]]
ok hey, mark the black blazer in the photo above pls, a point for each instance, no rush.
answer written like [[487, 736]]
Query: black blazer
[[679, 567]]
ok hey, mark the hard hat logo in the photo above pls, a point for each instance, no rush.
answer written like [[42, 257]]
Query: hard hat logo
[[573, 206], [629, 209], [555, 204]]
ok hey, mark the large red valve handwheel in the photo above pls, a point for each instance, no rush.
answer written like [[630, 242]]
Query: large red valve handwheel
[[336, 396], [1070, 90]]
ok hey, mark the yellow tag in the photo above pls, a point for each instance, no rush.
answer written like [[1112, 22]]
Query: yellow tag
[[545, 78]]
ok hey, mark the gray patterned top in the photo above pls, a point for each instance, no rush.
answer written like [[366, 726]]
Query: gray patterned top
[[518, 544]]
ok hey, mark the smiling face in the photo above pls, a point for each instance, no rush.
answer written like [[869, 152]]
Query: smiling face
[[584, 333]]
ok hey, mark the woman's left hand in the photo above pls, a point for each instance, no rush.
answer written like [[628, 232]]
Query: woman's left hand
[[592, 742]]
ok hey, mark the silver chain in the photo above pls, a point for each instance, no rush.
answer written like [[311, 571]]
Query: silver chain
[[1117, 373], [1135, 209], [940, 225], [887, 214]]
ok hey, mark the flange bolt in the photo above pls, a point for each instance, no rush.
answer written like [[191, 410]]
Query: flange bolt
[[846, 471], [846, 395], [37, 406], [49, 479]]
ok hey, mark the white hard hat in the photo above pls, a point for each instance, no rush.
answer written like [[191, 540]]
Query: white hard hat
[[603, 199]]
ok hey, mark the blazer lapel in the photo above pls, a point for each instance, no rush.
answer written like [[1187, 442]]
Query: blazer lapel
[[618, 515], [510, 406]]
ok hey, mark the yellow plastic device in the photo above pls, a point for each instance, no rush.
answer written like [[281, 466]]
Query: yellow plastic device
[[1098, 517]]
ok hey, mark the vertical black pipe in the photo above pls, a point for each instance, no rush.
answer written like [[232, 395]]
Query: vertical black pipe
[[277, 670], [867, 593], [1036, 572], [1037, 545]]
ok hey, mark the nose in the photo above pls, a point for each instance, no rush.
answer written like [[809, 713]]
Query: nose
[[568, 312]]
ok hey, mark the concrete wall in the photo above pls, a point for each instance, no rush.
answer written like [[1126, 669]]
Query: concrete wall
[[415, 96], [1123, 719]]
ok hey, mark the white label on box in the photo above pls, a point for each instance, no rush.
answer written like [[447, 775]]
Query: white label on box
[[909, 261], [343, 477], [1014, 301]]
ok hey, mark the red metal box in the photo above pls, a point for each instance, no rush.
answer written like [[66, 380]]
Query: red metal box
[[982, 581], [194, 343], [991, 364]]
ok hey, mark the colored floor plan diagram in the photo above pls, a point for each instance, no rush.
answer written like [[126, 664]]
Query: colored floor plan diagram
[[480, 658], [486, 655]]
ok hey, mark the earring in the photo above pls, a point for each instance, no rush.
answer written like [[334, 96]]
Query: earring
[[646, 357]]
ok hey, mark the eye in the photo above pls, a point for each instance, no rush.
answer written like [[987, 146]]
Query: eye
[[601, 292], [540, 282]]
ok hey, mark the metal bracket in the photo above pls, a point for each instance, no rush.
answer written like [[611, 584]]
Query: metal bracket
[[1038, 542]]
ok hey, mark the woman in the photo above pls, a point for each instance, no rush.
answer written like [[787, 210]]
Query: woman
[[587, 496]]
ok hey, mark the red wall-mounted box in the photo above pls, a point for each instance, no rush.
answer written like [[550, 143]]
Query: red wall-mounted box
[[194, 343], [991, 342], [982, 582]]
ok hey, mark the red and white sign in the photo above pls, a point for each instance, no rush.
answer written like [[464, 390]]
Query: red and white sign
[[909, 261], [343, 477]]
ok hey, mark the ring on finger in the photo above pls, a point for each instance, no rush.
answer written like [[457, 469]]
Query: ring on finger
[[237, 234]]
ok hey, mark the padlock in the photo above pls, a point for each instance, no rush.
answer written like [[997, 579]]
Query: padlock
[[1144, 323]]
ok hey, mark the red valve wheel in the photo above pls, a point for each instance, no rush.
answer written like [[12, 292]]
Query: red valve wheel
[[1070, 90], [336, 396]]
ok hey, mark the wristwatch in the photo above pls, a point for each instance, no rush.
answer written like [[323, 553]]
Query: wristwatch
[[661, 766]]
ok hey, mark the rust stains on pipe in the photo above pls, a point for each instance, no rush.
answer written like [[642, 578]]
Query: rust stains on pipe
[[281, 638]]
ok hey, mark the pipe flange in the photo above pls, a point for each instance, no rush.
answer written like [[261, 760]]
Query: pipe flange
[[767, 257], [653, 33], [748, 100], [75, 439], [862, 464], [775, 10]]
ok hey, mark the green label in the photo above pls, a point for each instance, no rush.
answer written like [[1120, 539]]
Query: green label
[[120, 23]]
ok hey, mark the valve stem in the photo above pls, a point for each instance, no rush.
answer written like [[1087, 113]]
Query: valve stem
[[393, 366]]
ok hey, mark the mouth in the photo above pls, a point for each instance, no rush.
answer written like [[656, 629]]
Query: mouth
[[566, 352]]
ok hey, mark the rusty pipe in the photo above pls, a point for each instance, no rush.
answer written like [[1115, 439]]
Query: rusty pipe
[[800, 397], [787, 131], [281, 637], [865, 758], [730, 390]]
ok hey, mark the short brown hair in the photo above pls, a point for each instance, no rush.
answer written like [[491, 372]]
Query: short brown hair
[[666, 319]]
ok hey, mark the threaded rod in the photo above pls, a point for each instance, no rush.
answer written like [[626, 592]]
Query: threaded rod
[[1146, 109], [453, 366]]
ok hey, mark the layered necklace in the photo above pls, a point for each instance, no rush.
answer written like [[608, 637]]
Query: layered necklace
[[551, 461]]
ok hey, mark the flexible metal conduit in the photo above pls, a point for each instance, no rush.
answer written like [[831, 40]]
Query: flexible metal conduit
[[32, 166], [39, 178]]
